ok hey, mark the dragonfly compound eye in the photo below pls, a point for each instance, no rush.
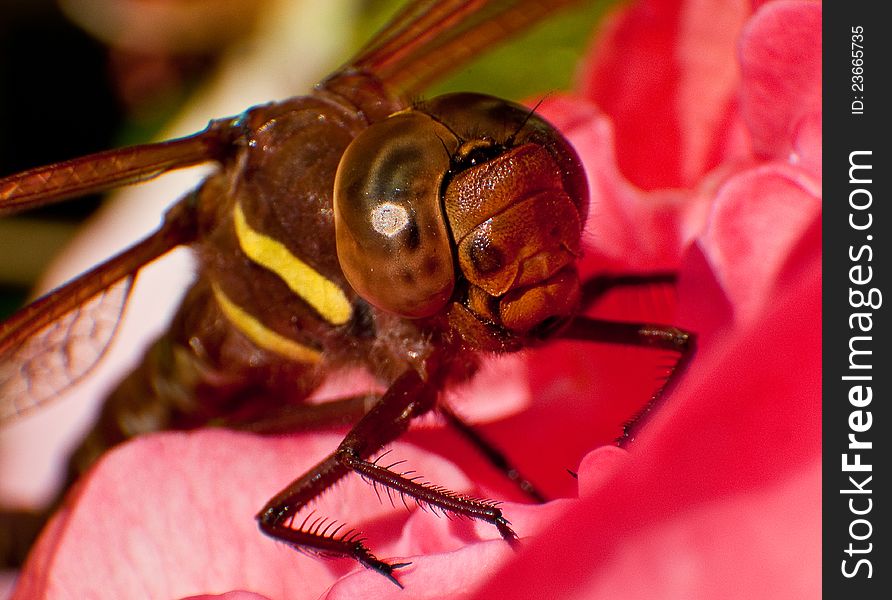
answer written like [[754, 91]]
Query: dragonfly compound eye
[[516, 202], [392, 240]]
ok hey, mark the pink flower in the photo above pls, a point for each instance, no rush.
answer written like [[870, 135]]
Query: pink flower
[[699, 124]]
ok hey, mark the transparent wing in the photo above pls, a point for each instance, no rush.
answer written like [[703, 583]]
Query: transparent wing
[[53, 357], [52, 343], [430, 38]]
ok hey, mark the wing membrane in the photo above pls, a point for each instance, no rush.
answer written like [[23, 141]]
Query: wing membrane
[[61, 352], [430, 38], [53, 342]]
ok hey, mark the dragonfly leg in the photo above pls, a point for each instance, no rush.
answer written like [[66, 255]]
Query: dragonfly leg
[[406, 399], [431, 495], [349, 409], [318, 536], [494, 455], [594, 288], [646, 335]]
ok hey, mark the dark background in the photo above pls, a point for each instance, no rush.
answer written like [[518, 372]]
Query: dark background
[[57, 102]]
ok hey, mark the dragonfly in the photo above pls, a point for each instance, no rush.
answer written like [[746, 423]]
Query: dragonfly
[[352, 227]]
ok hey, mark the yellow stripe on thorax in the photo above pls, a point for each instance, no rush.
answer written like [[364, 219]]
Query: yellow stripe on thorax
[[258, 333], [320, 293]]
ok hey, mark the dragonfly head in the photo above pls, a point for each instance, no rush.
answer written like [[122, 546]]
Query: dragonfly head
[[464, 200]]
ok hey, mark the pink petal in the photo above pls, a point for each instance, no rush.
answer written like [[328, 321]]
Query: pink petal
[[172, 515], [758, 219], [627, 230], [780, 54], [158, 517], [720, 495], [665, 72]]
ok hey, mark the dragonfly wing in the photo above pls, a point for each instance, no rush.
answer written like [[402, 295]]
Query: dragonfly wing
[[53, 357], [105, 170], [53, 342], [429, 38]]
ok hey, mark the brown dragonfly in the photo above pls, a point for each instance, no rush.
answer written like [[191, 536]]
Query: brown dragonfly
[[351, 227]]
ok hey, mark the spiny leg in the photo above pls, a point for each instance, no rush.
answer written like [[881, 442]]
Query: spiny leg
[[276, 520], [633, 334], [406, 399], [495, 456], [349, 409], [593, 289], [431, 495], [646, 335]]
